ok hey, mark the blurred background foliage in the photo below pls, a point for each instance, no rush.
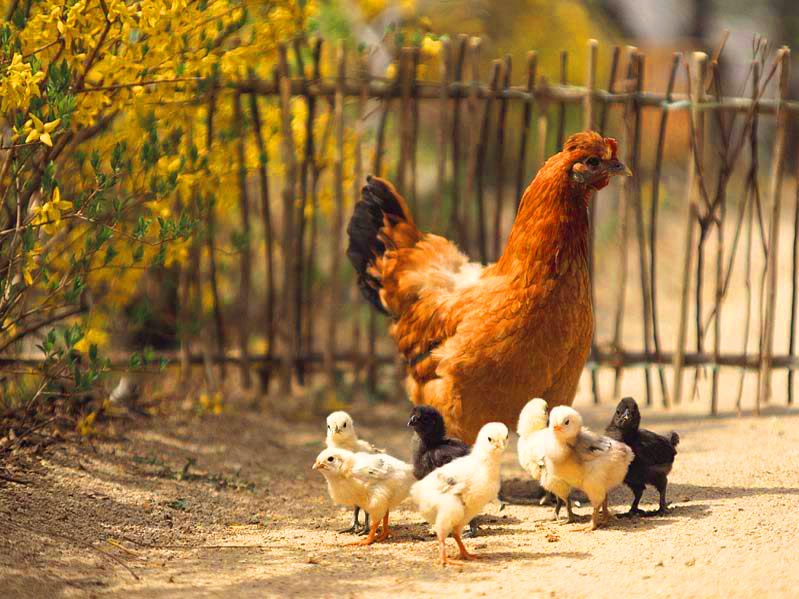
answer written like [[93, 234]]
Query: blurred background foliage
[[112, 187]]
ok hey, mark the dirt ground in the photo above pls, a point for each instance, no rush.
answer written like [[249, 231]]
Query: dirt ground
[[227, 505]]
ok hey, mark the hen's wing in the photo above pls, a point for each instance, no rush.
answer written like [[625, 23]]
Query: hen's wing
[[415, 277]]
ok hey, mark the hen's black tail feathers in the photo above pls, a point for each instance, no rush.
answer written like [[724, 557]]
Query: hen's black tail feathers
[[378, 200], [674, 439]]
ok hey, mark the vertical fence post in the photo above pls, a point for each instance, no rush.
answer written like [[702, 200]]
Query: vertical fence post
[[527, 115], [210, 239], [588, 123], [245, 264], [699, 60], [653, 219], [338, 219], [456, 212], [624, 234], [634, 147], [564, 80], [777, 171], [443, 125], [480, 153], [266, 223], [289, 241], [499, 157]]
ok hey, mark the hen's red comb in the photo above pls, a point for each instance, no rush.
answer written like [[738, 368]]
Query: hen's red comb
[[614, 146]]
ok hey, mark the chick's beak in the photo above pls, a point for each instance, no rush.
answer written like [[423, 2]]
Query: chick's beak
[[558, 428], [616, 167], [316, 466], [626, 416], [412, 421]]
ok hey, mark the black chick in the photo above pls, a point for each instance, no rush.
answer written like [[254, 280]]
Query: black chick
[[434, 448], [654, 454]]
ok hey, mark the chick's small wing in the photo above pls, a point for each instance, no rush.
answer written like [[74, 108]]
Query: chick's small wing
[[590, 446], [654, 449]]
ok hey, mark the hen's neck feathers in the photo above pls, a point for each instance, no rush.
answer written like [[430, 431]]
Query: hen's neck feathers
[[551, 227]]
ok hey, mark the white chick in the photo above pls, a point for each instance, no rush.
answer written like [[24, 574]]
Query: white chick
[[593, 463], [376, 483], [531, 450], [452, 495], [341, 434]]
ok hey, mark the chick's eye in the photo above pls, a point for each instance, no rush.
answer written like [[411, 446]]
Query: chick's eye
[[490, 440], [566, 421], [593, 162], [345, 425], [330, 459]]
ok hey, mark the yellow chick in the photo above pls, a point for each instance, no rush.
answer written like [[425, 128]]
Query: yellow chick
[[590, 462], [531, 450]]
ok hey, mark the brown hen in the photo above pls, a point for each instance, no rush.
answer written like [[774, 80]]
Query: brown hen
[[479, 341]]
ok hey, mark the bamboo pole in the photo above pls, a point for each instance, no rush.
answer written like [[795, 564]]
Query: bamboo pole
[[456, 212], [210, 240], [653, 220], [337, 224], [266, 223], [312, 251], [588, 123], [624, 234], [481, 152], [499, 159], [300, 259], [751, 199], [699, 60], [474, 106], [635, 184], [564, 76], [405, 75], [777, 172], [291, 194], [527, 115], [443, 127], [245, 251], [360, 127], [414, 128]]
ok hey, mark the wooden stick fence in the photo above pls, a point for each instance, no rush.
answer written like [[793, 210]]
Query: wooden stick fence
[[447, 143]]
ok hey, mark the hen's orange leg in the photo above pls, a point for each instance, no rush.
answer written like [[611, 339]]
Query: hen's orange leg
[[384, 533], [461, 547], [370, 538]]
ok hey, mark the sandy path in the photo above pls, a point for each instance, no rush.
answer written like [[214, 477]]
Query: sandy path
[[249, 518]]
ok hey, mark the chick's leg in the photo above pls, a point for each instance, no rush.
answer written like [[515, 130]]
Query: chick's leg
[[637, 494], [442, 550], [660, 484], [461, 547], [384, 532], [569, 513], [355, 527], [370, 538], [366, 524], [473, 529]]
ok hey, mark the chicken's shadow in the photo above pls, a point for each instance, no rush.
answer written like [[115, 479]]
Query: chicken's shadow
[[690, 492]]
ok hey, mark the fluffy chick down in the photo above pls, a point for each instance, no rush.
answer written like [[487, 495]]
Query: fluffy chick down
[[450, 496]]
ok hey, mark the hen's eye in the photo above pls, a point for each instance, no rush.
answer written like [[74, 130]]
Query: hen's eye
[[593, 162]]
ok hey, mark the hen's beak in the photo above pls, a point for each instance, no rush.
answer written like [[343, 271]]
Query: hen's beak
[[616, 167]]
